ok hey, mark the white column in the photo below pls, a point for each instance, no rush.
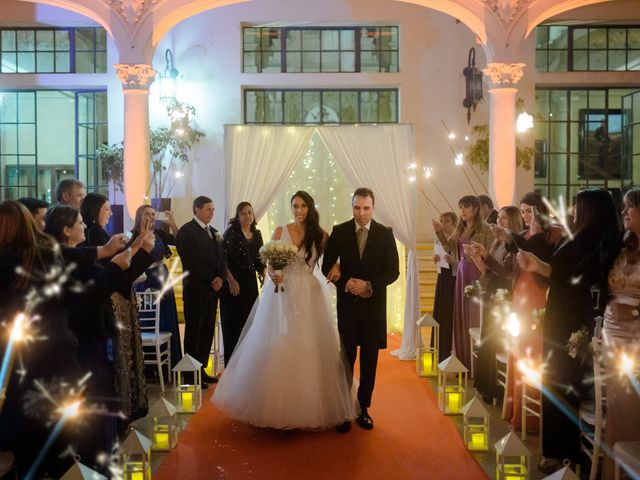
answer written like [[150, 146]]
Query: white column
[[502, 130], [136, 80]]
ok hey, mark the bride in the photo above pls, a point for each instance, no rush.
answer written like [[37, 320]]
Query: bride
[[288, 370]]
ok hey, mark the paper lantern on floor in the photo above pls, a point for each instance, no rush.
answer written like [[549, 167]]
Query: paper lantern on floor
[[564, 473], [476, 425], [165, 433], [428, 346], [188, 381], [135, 457], [451, 392], [81, 472], [512, 458]]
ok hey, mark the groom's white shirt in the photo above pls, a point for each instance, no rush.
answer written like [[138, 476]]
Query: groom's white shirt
[[358, 227]]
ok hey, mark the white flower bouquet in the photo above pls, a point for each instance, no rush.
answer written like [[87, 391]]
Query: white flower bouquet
[[278, 255], [579, 345], [473, 290]]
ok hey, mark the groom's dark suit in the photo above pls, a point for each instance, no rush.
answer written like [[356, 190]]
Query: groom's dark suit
[[363, 321], [202, 256]]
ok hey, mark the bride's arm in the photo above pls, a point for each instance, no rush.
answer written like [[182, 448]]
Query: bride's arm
[[277, 233]]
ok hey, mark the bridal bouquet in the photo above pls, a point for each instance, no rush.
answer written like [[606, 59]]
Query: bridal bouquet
[[278, 255], [579, 345]]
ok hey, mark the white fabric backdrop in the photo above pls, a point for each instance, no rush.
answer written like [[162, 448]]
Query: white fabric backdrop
[[258, 160]]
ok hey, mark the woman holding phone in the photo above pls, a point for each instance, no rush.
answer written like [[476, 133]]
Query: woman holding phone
[[158, 274]]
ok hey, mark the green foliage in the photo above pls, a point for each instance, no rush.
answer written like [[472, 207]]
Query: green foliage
[[111, 161]]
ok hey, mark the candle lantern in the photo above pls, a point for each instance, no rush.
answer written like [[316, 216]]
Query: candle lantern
[[476, 425], [451, 392], [135, 457], [81, 472], [165, 433], [188, 381], [565, 473], [512, 458], [428, 346]]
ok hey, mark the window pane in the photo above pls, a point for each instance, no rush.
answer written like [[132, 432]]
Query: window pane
[[9, 135], [8, 107], [368, 38], [597, 60], [580, 38], [369, 107], [294, 62], [62, 62], [310, 61], [633, 38], [389, 38], [254, 107], [580, 60], [597, 99], [311, 40], [369, 62], [617, 60], [348, 107], [8, 40], [101, 62], [9, 62], [271, 62], [84, 39], [62, 40], [542, 37], [26, 107], [617, 38], [579, 101], [26, 62], [557, 60], [558, 37], [347, 40], [330, 39], [348, 62], [27, 173], [330, 107], [386, 61], [633, 60], [597, 38], [101, 39], [251, 63], [273, 107], [311, 107], [541, 60], [558, 105], [44, 62], [542, 103], [44, 40], [26, 40], [250, 39], [293, 40], [84, 62], [387, 106], [330, 62], [292, 107], [27, 139], [557, 168]]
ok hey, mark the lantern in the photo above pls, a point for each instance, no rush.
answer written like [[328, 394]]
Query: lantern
[[564, 473], [188, 381], [427, 355], [135, 457], [473, 84], [168, 79], [512, 458], [476, 425], [164, 425], [81, 472], [450, 394]]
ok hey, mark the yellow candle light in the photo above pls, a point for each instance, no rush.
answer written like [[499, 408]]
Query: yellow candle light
[[478, 441], [455, 399], [134, 471], [161, 441], [427, 362], [187, 401]]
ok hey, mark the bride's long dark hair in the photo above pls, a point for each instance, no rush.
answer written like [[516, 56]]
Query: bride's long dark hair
[[313, 232]]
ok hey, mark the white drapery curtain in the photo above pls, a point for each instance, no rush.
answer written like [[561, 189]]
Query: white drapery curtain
[[375, 156], [258, 160]]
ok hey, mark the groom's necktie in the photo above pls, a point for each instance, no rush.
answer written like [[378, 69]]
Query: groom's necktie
[[362, 239]]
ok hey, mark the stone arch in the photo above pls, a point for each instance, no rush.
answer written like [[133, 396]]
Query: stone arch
[[96, 14], [541, 11]]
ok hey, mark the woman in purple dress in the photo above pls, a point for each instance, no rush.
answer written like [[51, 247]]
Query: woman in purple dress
[[466, 311]]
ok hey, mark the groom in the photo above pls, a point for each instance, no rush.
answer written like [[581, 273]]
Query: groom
[[361, 259]]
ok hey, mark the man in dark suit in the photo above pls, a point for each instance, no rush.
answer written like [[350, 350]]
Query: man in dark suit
[[487, 212], [200, 248], [368, 262]]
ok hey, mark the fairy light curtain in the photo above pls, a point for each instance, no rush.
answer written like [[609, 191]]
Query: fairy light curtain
[[256, 170]]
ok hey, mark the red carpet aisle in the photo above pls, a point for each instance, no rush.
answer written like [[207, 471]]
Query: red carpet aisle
[[411, 440]]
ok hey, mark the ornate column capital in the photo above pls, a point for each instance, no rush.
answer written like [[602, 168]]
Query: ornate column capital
[[135, 76], [506, 10], [504, 74]]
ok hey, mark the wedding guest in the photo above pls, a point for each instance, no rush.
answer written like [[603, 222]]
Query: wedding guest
[[201, 250], [128, 356], [488, 213], [37, 208], [92, 320], [157, 275], [70, 191], [445, 286], [466, 311], [529, 294], [621, 334], [242, 242], [577, 264], [498, 268]]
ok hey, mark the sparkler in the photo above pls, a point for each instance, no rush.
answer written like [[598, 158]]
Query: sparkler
[[170, 281], [18, 333], [560, 214], [410, 172], [513, 325], [628, 368]]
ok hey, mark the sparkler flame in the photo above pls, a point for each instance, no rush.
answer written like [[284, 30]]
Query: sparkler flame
[[18, 329], [627, 364], [513, 325]]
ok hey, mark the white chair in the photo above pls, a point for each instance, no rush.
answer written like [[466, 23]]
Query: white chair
[[474, 341], [531, 403], [592, 414], [156, 345], [627, 456]]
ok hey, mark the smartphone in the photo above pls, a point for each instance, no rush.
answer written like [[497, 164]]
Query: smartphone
[[162, 216], [149, 224]]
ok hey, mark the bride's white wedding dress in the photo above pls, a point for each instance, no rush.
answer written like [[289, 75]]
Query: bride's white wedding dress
[[287, 370]]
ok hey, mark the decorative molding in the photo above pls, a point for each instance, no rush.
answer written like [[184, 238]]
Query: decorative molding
[[506, 9], [138, 76], [131, 10], [504, 74]]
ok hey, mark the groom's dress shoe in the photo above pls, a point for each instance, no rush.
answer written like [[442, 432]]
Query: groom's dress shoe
[[365, 421], [344, 428]]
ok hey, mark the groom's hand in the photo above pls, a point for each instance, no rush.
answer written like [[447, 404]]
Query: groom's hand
[[334, 274], [358, 287]]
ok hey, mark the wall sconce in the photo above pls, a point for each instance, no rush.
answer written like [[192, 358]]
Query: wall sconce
[[168, 79], [473, 81]]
